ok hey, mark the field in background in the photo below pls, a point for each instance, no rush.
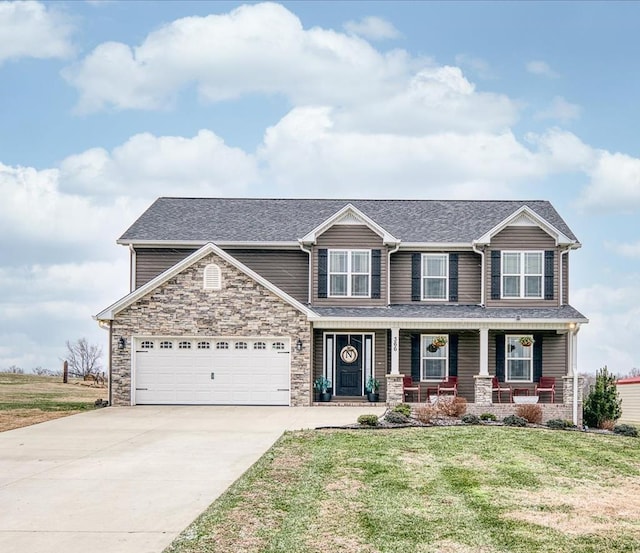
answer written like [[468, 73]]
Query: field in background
[[27, 399]]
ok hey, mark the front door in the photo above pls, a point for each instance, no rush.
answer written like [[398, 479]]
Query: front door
[[348, 365]]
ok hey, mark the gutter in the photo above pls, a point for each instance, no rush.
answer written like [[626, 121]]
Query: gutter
[[483, 271]]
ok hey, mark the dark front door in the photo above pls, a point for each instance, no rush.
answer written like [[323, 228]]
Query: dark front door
[[348, 365]]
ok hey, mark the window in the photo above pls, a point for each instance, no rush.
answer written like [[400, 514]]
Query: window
[[435, 276], [522, 274], [259, 345], [184, 345], [166, 345], [277, 345], [434, 364], [212, 277], [349, 273], [519, 360], [222, 345], [240, 345], [147, 344], [204, 345]]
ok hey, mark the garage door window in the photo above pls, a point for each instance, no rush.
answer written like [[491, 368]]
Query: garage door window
[[241, 345], [166, 345], [204, 345], [222, 345], [259, 345], [146, 344], [277, 345], [184, 345]]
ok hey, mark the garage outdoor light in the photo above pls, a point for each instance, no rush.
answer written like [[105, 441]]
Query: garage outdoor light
[[299, 345], [122, 343]]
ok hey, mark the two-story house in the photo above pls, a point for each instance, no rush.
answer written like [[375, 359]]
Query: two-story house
[[248, 301]]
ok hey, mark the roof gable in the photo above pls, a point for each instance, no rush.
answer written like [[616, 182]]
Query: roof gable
[[349, 215], [527, 217], [110, 312]]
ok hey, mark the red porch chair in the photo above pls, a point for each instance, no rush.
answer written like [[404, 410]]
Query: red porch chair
[[500, 388], [449, 386], [547, 384], [408, 385]]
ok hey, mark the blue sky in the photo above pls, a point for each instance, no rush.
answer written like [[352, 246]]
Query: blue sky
[[106, 105]]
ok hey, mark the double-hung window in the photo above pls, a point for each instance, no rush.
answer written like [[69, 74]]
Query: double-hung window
[[434, 363], [350, 273], [435, 276], [519, 360], [522, 275]]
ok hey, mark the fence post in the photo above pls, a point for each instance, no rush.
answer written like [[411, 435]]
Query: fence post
[[65, 372]]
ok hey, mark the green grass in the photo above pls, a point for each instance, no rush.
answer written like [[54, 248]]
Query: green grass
[[455, 489]]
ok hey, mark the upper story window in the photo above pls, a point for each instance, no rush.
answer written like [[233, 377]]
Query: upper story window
[[522, 275], [212, 277], [434, 361], [435, 276], [349, 273], [519, 359]]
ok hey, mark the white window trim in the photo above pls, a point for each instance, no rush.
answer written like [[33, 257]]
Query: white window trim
[[423, 357], [423, 276], [522, 275], [507, 359], [349, 273]]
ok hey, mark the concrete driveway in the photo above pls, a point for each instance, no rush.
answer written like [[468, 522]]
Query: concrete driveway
[[130, 479]]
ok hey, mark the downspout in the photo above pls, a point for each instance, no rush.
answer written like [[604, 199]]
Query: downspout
[[482, 272], [394, 250], [310, 276], [563, 252], [132, 268], [109, 362], [574, 370]]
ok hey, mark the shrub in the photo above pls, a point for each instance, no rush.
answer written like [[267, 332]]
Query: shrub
[[626, 430], [368, 420], [607, 424], [394, 417], [426, 413], [531, 412], [470, 419], [602, 403], [514, 420], [488, 417], [403, 408], [452, 407], [557, 424]]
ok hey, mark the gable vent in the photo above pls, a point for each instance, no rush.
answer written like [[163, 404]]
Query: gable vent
[[212, 277], [523, 220], [349, 218]]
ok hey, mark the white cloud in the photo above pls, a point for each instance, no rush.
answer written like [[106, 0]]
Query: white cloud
[[254, 48], [614, 183], [31, 29], [560, 110], [477, 65], [624, 249], [373, 28], [541, 68]]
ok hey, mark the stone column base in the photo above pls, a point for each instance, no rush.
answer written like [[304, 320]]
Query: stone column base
[[567, 389], [483, 393], [394, 389]]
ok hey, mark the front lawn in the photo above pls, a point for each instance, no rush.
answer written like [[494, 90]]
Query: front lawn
[[441, 489]]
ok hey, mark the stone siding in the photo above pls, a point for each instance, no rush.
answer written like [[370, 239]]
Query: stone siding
[[181, 307]]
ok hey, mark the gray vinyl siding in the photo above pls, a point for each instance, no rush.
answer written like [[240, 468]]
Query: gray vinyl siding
[[287, 269], [380, 361], [469, 270], [554, 360], [346, 237], [468, 360], [522, 239], [150, 262]]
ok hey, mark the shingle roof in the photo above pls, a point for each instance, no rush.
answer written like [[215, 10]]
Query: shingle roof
[[421, 311], [286, 220]]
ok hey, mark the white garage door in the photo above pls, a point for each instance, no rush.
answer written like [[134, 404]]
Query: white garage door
[[212, 371]]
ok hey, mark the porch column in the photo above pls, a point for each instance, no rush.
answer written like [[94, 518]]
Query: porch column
[[395, 351], [483, 380]]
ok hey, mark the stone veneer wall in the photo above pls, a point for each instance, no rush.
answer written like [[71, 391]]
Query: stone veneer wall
[[181, 307]]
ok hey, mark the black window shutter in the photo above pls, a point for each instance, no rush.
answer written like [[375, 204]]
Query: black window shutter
[[537, 357], [500, 356], [548, 274], [415, 357], [322, 273], [416, 274], [375, 274], [453, 277], [495, 274], [453, 355]]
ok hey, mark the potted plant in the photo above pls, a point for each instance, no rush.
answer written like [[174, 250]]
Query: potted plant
[[439, 342], [372, 387], [322, 384], [526, 341]]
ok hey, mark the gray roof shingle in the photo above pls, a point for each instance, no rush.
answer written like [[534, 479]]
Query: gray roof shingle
[[286, 220]]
